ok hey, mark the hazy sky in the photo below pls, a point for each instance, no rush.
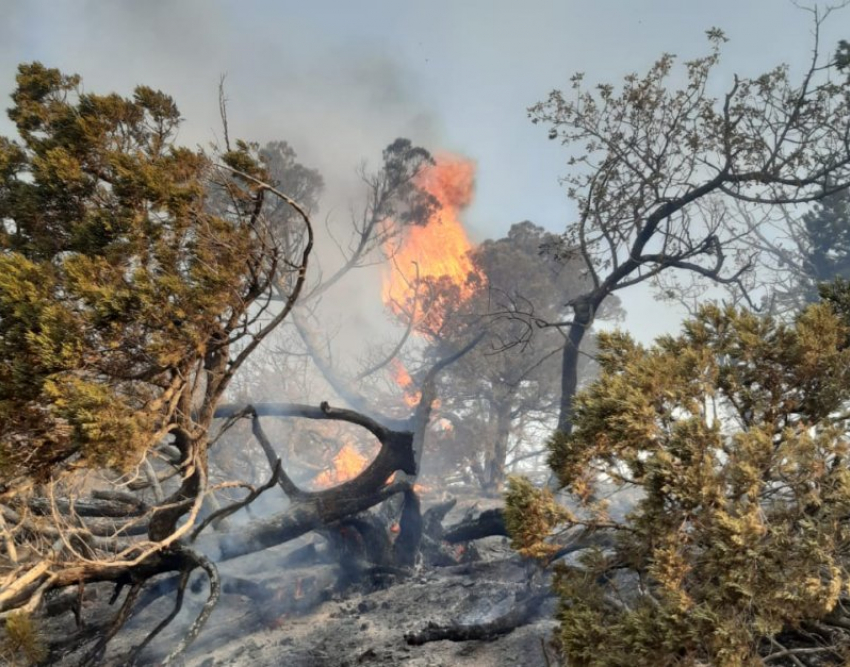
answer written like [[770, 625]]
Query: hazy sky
[[340, 80]]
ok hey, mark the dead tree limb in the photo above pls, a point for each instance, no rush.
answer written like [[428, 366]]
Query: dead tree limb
[[215, 592], [396, 452], [487, 524], [95, 656], [178, 605], [234, 507]]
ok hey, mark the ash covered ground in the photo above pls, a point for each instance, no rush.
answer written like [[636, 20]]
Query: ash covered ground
[[271, 613]]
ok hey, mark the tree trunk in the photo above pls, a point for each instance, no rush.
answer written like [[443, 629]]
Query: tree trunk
[[499, 453], [582, 321]]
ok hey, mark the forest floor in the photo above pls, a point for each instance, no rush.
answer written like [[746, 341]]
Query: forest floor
[[304, 620]]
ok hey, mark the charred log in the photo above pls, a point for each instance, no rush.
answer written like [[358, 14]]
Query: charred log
[[432, 520], [520, 614], [406, 547], [358, 543], [489, 523]]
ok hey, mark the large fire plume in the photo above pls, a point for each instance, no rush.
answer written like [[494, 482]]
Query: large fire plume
[[439, 248]]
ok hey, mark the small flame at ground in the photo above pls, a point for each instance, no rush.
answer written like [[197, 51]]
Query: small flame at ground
[[438, 248], [347, 464]]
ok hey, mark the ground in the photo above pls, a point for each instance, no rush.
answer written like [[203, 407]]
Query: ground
[[301, 618]]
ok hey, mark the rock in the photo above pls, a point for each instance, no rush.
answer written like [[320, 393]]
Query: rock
[[367, 655]]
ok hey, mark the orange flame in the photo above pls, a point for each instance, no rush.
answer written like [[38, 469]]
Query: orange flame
[[417, 488], [443, 425], [438, 248], [403, 380], [347, 464]]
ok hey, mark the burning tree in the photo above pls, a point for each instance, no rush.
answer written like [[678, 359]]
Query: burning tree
[[136, 278], [502, 396], [435, 252], [449, 292]]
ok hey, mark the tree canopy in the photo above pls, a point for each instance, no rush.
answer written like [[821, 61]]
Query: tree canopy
[[117, 276], [658, 173], [731, 440]]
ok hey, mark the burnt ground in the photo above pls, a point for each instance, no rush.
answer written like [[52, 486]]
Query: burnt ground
[[272, 614]]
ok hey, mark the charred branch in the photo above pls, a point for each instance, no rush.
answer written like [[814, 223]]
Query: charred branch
[[396, 452], [301, 518], [489, 523]]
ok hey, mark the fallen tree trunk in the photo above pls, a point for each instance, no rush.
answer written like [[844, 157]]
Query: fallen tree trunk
[[310, 510], [520, 614], [489, 523], [300, 518]]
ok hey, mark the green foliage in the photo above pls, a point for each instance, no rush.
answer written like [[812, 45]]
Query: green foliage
[[731, 436], [529, 514], [23, 643], [115, 272]]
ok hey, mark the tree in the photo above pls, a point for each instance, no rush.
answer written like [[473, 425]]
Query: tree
[[109, 245], [732, 440], [798, 253], [506, 390], [656, 171], [136, 277]]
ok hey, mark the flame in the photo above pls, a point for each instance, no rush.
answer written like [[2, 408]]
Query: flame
[[444, 425], [417, 488], [403, 380], [347, 464], [440, 247]]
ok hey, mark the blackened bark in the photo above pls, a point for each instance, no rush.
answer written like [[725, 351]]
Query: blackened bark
[[409, 538], [582, 321], [499, 453], [488, 524], [520, 614]]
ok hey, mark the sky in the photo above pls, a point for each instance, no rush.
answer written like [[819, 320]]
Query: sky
[[340, 80]]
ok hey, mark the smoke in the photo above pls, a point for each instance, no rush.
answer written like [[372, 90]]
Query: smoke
[[337, 102]]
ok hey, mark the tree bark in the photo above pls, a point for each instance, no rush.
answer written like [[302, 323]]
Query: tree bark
[[487, 524], [499, 452], [582, 321]]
